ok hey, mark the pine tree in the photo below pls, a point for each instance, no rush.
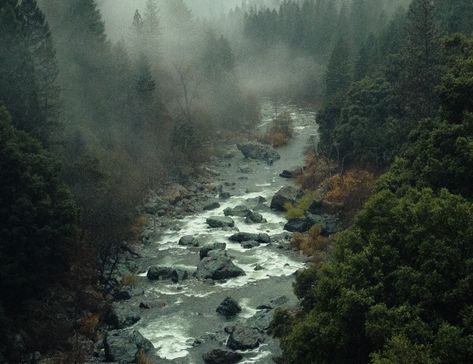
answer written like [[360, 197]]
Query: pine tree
[[338, 76], [41, 49]]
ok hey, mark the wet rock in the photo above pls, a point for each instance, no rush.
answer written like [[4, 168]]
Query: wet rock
[[229, 307], [159, 273], [204, 251], [217, 265], [259, 152], [224, 195], [254, 218], [316, 207], [188, 240], [242, 237], [174, 193], [118, 317], [285, 195], [261, 320], [123, 347], [286, 174], [221, 357], [250, 244], [298, 225], [244, 338], [219, 222], [257, 201], [240, 211], [123, 295], [279, 301], [258, 267], [179, 275], [211, 206], [144, 306]]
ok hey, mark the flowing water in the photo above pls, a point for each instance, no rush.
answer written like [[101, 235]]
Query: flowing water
[[185, 312]]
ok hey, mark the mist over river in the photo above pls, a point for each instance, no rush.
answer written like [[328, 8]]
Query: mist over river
[[182, 322]]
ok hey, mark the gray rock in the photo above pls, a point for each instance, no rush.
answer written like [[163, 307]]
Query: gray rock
[[229, 307], [297, 225], [285, 195], [329, 223], [123, 347], [157, 273], [179, 275], [219, 222], [240, 211], [259, 152], [188, 240], [118, 317], [254, 218], [244, 338], [217, 265], [211, 206], [261, 320], [242, 237], [204, 251], [250, 244], [221, 357], [286, 174], [225, 195]]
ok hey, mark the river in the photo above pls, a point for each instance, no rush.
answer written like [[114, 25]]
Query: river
[[182, 323]]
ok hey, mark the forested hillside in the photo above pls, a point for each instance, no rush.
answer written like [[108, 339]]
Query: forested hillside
[[397, 287]]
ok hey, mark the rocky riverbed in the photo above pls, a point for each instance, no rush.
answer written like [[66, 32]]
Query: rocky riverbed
[[215, 261]]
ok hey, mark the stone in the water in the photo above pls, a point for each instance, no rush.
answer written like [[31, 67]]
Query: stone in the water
[[285, 195], [229, 307], [220, 222], [204, 251], [254, 218], [242, 237], [239, 211], [297, 225], [250, 244], [179, 275], [225, 195], [157, 273], [259, 152], [123, 347], [221, 357], [258, 267], [188, 240], [286, 174], [244, 338], [217, 265], [211, 206]]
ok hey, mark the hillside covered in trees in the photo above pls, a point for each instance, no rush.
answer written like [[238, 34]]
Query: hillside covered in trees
[[96, 118]]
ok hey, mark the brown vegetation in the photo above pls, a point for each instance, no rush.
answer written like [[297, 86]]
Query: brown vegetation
[[280, 132], [316, 170], [312, 244]]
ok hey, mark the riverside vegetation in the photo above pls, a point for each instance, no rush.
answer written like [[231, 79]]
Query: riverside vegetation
[[90, 125]]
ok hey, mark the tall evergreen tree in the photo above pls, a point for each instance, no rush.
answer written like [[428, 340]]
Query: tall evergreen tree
[[337, 78]]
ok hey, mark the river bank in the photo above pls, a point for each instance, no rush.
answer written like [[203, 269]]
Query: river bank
[[178, 315]]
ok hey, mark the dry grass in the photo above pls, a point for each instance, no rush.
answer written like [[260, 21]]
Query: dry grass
[[312, 244], [280, 133], [137, 228], [316, 170], [128, 280], [141, 358]]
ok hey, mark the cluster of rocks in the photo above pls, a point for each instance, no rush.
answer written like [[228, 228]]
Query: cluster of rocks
[[251, 217], [259, 152], [250, 240]]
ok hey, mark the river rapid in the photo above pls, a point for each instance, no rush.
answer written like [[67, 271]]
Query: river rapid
[[182, 322]]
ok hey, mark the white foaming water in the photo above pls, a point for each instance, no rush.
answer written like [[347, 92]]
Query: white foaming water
[[169, 336]]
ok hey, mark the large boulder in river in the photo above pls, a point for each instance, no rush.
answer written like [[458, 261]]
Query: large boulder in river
[[259, 152], [175, 275], [217, 265], [124, 347], [229, 307], [220, 222], [240, 211], [244, 338], [204, 251], [218, 356], [188, 240], [242, 237], [285, 195]]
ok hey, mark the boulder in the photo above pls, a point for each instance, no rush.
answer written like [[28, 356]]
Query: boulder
[[212, 205], [124, 346], [120, 317], [220, 222], [254, 218], [286, 174], [204, 251], [261, 320], [259, 152], [217, 266], [224, 195], [242, 237], [179, 275], [244, 338], [188, 240], [240, 211], [298, 225], [157, 273], [329, 223], [221, 357], [229, 307], [285, 195], [250, 244]]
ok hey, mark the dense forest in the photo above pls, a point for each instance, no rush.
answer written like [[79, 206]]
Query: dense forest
[[90, 125]]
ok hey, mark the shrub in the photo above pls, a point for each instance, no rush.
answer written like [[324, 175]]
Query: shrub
[[301, 206], [316, 170], [141, 358], [128, 280], [280, 132], [88, 324], [312, 244]]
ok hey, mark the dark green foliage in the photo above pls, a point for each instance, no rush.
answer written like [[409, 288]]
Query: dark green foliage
[[338, 76], [404, 268], [37, 218]]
